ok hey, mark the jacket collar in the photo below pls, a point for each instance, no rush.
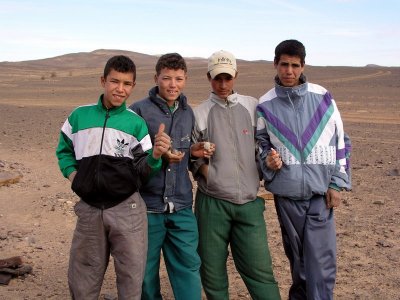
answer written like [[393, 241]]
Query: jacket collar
[[230, 101], [295, 91], [111, 111], [162, 104]]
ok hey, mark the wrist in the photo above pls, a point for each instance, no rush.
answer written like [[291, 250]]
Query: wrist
[[335, 187]]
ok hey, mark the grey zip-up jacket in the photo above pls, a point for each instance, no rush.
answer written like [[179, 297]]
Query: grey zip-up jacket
[[230, 125]]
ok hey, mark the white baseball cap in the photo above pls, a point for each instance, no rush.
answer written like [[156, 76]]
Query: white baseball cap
[[222, 62]]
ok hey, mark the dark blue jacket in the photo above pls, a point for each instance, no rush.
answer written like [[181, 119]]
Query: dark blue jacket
[[172, 183]]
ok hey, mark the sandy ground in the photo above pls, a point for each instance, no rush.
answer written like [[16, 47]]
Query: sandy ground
[[36, 213]]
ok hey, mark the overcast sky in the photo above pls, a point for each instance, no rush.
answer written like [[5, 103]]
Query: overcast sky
[[335, 32]]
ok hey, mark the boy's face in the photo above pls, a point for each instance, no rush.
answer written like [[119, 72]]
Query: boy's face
[[117, 88], [289, 69], [170, 84], [222, 85]]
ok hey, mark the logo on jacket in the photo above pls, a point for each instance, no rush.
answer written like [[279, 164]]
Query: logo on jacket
[[120, 148]]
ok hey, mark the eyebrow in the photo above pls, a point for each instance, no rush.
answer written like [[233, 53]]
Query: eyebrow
[[118, 80], [284, 63]]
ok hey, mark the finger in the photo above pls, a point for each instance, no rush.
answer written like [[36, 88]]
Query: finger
[[161, 128], [328, 201]]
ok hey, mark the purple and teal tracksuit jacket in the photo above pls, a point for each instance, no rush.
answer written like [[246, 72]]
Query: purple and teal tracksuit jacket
[[304, 126]]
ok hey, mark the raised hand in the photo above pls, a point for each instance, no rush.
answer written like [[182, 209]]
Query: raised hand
[[162, 142]]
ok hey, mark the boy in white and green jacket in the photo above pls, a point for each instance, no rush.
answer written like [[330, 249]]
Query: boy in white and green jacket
[[106, 153]]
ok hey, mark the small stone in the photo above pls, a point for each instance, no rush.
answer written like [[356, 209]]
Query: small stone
[[385, 244], [393, 172], [207, 145], [379, 202]]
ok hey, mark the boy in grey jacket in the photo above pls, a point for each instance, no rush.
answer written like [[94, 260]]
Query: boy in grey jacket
[[303, 158], [227, 208]]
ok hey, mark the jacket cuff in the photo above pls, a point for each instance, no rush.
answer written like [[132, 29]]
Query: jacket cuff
[[68, 171], [154, 163], [335, 187]]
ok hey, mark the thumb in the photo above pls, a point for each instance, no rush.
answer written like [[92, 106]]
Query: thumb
[[161, 128], [273, 151]]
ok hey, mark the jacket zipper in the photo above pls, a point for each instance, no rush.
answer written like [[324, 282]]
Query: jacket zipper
[[299, 143], [101, 148], [229, 110]]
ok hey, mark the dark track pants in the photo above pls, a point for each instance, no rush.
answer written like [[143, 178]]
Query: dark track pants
[[309, 240]]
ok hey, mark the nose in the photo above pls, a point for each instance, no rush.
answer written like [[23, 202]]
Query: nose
[[120, 86], [223, 83], [172, 83]]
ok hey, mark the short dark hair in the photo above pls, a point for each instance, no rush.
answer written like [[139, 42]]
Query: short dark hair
[[120, 63], [171, 61], [291, 48]]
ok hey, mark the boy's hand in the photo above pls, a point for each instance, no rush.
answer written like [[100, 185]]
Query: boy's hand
[[72, 176], [173, 156], [332, 198], [202, 149], [162, 142], [273, 160]]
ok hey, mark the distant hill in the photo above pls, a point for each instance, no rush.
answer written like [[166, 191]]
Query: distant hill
[[373, 66], [97, 58], [81, 60]]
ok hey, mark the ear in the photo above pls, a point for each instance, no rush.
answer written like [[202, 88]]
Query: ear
[[155, 79], [276, 62], [102, 81]]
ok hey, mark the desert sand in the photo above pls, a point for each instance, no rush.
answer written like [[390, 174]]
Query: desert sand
[[36, 210]]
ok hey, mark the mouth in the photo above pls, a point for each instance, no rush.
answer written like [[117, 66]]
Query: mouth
[[119, 97], [172, 93]]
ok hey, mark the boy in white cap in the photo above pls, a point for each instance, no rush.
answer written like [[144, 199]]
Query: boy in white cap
[[227, 208]]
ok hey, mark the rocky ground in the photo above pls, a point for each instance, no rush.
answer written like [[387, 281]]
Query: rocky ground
[[36, 208]]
